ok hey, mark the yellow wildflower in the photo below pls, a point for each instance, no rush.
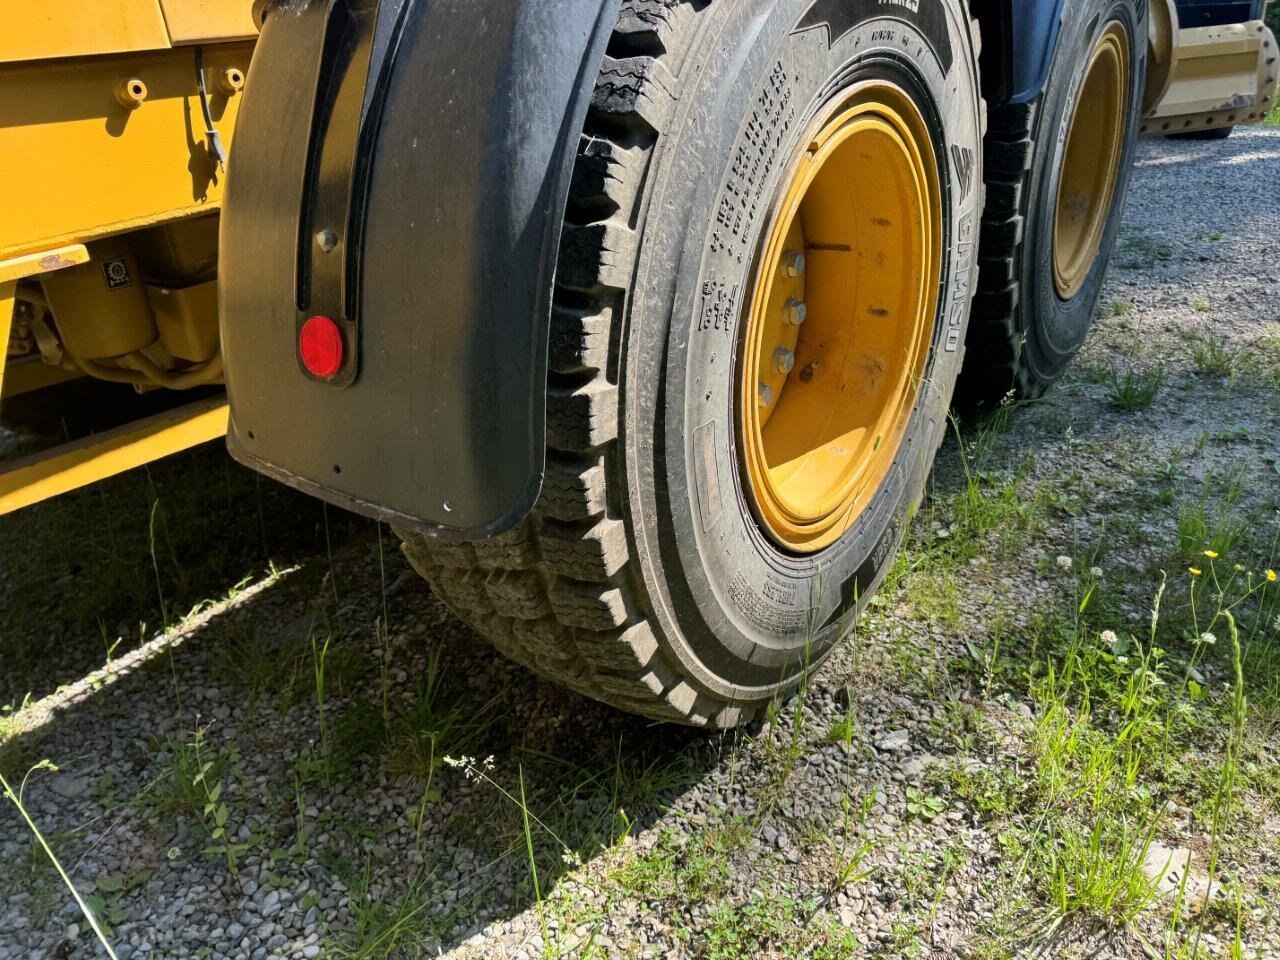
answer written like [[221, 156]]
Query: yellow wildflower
[[1271, 576], [1211, 554], [1195, 571]]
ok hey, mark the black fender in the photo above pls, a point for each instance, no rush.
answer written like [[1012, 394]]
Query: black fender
[[402, 167], [1018, 41]]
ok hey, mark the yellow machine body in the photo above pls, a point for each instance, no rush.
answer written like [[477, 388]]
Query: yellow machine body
[[110, 186], [1204, 78]]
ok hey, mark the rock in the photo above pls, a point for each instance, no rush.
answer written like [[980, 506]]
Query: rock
[[270, 904], [893, 740], [70, 787], [914, 767], [1166, 867]]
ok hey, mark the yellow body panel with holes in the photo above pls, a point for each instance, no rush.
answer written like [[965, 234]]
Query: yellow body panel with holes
[[102, 135], [61, 29], [77, 164], [1202, 78]]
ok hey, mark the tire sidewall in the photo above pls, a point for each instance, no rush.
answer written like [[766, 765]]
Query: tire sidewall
[[1060, 326], [741, 615]]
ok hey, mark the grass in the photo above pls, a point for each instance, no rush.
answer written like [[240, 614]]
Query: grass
[[1136, 390], [1112, 714], [1137, 251], [1212, 358], [1199, 532], [201, 778]]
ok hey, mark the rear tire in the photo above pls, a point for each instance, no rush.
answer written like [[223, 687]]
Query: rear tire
[[642, 577], [1024, 331]]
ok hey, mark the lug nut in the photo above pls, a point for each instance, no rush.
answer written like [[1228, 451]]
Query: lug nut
[[792, 264], [783, 360], [794, 312], [766, 395]]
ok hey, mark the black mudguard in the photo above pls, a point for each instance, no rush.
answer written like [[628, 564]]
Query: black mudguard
[[435, 140]]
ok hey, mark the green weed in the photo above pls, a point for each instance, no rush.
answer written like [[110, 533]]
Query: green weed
[[1137, 251], [1136, 390], [16, 798], [1211, 358]]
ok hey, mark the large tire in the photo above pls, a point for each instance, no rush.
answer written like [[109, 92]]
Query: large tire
[[1024, 332], [642, 578]]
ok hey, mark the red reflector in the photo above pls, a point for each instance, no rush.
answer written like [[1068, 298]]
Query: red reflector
[[320, 346]]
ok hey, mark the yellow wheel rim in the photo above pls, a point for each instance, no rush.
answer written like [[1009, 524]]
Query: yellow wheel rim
[[841, 317], [1091, 161]]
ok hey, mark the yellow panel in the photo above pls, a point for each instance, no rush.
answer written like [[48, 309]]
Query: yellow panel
[[77, 164], [193, 21], [51, 473], [44, 29], [46, 261], [30, 374]]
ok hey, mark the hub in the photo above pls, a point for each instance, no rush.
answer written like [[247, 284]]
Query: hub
[[841, 319]]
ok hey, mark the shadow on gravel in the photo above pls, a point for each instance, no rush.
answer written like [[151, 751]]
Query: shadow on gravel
[[336, 735], [85, 577]]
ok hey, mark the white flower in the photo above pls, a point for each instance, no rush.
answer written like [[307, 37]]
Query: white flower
[[1207, 638], [1095, 572], [1063, 561], [1109, 638]]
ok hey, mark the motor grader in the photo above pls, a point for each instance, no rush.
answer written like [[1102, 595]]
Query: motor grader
[[638, 320]]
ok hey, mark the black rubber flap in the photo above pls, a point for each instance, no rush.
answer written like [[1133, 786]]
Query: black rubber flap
[[434, 139]]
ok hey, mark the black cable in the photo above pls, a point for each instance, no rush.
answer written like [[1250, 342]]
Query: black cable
[[216, 149]]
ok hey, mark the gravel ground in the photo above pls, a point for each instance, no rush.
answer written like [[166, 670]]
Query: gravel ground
[[214, 797]]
